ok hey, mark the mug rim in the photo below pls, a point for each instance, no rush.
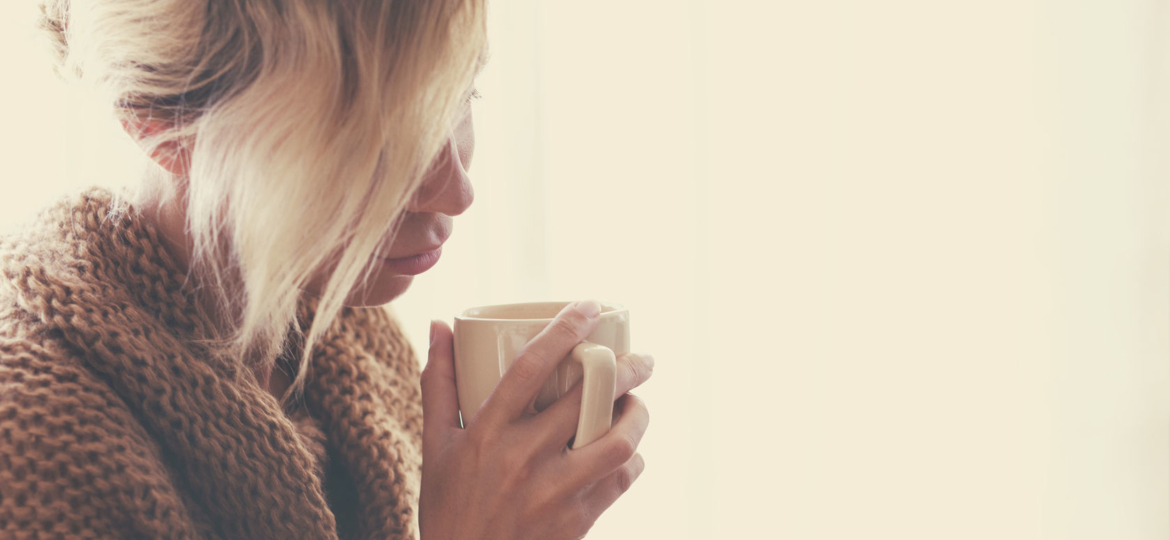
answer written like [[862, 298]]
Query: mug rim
[[608, 309]]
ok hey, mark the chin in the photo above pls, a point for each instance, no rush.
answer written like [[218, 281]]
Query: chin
[[380, 290]]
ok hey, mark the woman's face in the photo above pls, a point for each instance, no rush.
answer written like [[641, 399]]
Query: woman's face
[[444, 193]]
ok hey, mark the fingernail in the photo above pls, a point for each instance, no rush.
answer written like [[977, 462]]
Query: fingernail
[[432, 338], [649, 361], [589, 308]]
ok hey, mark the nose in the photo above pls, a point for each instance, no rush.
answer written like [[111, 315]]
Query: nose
[[446, 188]]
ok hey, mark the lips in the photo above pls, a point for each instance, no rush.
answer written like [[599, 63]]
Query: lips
[[416, 264], [422, 251], [420, 233]]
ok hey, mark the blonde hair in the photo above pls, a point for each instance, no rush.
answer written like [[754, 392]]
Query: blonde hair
[[309, 126]]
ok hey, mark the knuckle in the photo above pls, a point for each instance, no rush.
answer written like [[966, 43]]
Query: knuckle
[[624, 478], [639, 408], [478, 442], [517, 467], [568, 325], [622, 448], [527, 366], [640, 368], [626, 371], [428, 374]]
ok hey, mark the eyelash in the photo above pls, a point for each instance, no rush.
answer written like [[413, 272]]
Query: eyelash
[[474, 95]]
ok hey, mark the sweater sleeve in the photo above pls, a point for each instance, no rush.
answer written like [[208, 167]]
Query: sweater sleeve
[[74, 461]]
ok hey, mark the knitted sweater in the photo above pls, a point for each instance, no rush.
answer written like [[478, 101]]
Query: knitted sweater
[[117, 422]]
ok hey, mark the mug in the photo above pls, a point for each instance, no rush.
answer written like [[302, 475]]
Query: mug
[[488, 338]]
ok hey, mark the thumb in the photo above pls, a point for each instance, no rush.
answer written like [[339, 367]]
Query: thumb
[[439, 398]]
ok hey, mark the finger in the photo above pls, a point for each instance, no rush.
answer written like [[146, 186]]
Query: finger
[[439, 397], [558, 423], [601, 457], [603, 494], [537, 359]]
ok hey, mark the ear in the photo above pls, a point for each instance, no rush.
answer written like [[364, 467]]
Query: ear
[[172, 156]]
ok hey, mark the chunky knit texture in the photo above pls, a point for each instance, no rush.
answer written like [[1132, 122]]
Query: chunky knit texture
[[117, 422]]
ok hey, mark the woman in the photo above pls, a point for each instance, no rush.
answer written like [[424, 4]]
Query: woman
[[204, 357]]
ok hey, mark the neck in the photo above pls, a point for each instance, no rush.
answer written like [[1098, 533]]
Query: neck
[[162, 201]]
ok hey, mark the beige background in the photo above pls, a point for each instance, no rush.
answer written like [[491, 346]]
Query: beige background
[[904, 265]]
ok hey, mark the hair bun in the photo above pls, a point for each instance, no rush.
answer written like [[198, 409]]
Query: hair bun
[[54, 20]]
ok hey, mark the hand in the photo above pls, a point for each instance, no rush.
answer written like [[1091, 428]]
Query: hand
[[510, 475]]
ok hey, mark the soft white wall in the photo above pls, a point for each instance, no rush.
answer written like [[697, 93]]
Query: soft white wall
[[1109, 461], [53, 138], [903, 265]]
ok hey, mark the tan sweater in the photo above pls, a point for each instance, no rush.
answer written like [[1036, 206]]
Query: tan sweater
[[115, 422]]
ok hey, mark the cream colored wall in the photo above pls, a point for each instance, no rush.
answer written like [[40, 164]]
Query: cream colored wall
[[904, 265], [53, 138]]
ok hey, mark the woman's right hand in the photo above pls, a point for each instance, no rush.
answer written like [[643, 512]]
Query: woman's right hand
[[510, 475]]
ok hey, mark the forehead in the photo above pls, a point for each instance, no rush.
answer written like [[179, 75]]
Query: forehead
[[485, 54]]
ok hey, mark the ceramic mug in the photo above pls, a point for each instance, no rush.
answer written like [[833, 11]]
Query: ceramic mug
[[488, 338]]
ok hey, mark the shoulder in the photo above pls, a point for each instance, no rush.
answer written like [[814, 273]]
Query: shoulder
[[76, 458], [42, 375]]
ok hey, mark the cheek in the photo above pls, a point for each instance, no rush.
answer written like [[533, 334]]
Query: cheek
[[380, 289]]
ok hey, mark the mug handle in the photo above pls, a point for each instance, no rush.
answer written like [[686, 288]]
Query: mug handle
[[600, 378]]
